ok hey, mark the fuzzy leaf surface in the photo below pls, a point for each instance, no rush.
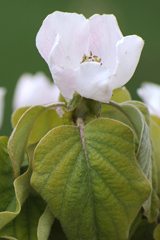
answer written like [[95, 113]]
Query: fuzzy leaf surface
[[90, 179]]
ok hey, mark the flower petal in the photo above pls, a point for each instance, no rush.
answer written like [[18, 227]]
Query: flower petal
[[72, 30], [150, 94], [129, 49], [65, 80], [34, 90], [104, 34], [91, 82]]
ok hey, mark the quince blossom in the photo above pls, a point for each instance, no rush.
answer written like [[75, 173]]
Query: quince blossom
[[150, 94], [34, 90], [2, 95], [88, 56]]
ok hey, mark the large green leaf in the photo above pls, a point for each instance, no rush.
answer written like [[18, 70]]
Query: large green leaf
[[13, 192], [90, 179], [24, 226], [33, 124]]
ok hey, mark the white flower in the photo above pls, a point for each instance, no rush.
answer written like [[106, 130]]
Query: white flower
[[150, 94], [2, 95], [34, 90], [88, 56]]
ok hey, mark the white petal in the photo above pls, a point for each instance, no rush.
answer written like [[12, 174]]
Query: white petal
[[104, 34], [150, 94], [2, 95], [65, 80], [34, 90], [72, 31], [129, 50], [91, 82]]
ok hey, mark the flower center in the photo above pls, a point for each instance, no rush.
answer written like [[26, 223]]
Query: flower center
[[91, 58]]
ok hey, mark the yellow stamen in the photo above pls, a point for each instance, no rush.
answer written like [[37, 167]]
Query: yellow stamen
[[91, 58]]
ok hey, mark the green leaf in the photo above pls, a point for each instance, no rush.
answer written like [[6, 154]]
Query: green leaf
[[45, 225], [153, 204], [143, 109], [13, 192], [31, 127], [155, 134], [6, 176], [156, 119], [90, 179], [132, 116], [19, 138], [156, 233], [17, 115], [47, 120], [121, 95], [130, 113], [155, 137], [24, 226]]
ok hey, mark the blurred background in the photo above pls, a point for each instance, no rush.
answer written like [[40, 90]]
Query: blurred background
[[20, 20]]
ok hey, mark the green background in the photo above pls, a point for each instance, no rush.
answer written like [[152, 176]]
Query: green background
[[21, 19]]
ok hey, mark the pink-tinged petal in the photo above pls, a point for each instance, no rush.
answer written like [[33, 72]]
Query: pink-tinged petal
[[128, 54], [91, 82], [65, 80], [150, 94], [104, 34], [73, 32], [34, 90], [2, 96]]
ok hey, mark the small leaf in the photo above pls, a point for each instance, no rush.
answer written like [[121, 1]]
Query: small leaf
[[121, 95], [31, 127], [19, 138], [91, 180]]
